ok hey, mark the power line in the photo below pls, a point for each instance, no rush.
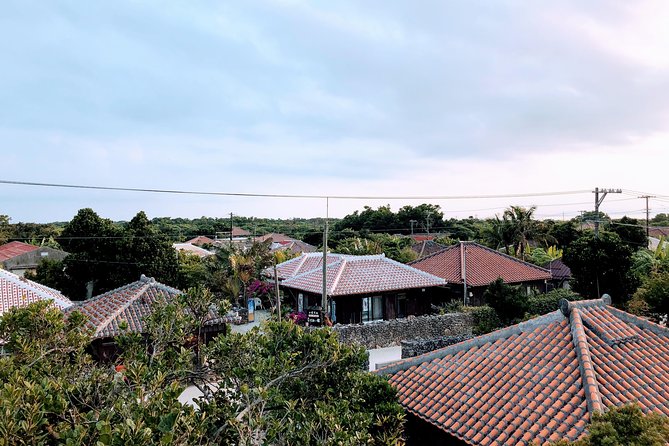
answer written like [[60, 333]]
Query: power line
[[264, 195]]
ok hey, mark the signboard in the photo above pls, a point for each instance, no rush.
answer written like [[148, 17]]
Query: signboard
[[314, 317]]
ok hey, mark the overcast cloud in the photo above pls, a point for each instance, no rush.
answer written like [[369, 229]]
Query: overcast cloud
[[338, 98]]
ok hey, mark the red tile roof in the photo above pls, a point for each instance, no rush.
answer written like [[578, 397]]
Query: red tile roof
[[305, 262], [13, 249], [427, 247], [17, 291], [200, 240], [482, 265], [540, 380], [192, 249], [130, 304], [361, 275]]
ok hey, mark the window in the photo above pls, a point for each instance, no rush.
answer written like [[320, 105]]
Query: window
[[402, 305], [372, 308]]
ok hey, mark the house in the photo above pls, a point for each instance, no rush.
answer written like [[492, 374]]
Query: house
[[200, 240], [472, 267], [560, 273], [424, 248], [359, 288], [17, 291], [192, 249], [293, 246], [19, 257], [535, 382], [127, 306]]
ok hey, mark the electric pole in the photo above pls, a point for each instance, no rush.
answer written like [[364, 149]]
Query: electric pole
[[324, 297], [598, 202], [231, 229], [647, 214], [412, 222]]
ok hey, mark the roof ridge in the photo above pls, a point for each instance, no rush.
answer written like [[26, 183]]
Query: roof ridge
[[337, 278], [37, 288], [123, 307], [419, 271], [510, 257], [639, 322], [477, 341], [592, 395]]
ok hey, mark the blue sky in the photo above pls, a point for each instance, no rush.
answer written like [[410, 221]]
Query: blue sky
[[335, 98]]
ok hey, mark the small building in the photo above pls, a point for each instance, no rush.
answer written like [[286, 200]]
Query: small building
[[192, 249], [424, 248], [560, 274], [127, 306], [17, 291], [535, 382], [472, 267], [201, 240], [359, 288], [19, 257]]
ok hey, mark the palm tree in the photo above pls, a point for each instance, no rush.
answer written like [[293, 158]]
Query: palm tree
[[521, 228]]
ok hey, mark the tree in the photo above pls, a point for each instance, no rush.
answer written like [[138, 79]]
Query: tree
[[285, 385], [624, 426], [147, 251], [655, 293], [601, 265], [281, 385], [630, 232], [509, 302], [564, 232], [4, 228]]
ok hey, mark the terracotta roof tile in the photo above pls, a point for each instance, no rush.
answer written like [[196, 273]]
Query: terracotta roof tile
[[17, 291], [348, 275], [129, 304], [541, 380], [13, 249], [482, 265]]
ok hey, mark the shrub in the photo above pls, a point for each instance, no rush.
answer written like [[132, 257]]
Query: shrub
[[485, 319], [509, 302], [545, 303]]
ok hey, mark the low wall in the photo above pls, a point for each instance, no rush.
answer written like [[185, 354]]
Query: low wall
[[420, 346], [391, 333]]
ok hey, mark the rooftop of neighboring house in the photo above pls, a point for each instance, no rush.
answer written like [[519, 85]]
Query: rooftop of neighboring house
[[200, 240], [658, 231], [349, 275], [17, 291], [13, 249], [239, 232], [294, 246], [426, 247], [558, 269], [482, 265], [192, 249], [303, 263], [540, 380], [274, 237], [128, 304]]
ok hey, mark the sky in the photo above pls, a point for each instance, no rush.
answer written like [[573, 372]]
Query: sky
[[430, 99]]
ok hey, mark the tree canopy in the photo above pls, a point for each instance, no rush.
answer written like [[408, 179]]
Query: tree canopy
[[278, 385]]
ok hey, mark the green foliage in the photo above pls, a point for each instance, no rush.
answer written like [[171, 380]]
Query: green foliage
[[509, 302], [281, 385], [485, 319], [545, 303], [563, 232], [660, 219], [601, 265], [624, 426], [631, 233], [285, 385], [655, 293]]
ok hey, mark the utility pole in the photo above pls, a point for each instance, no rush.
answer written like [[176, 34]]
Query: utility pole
[[412, 222], [427, 221], [231, 229], [647, 214], [598, 202], [324, 297]]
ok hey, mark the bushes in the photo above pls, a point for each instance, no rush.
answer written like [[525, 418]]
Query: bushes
[[545, 303], [485, 319]]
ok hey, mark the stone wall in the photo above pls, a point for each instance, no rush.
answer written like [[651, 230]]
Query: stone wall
[[391, 333], [420, 346]]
